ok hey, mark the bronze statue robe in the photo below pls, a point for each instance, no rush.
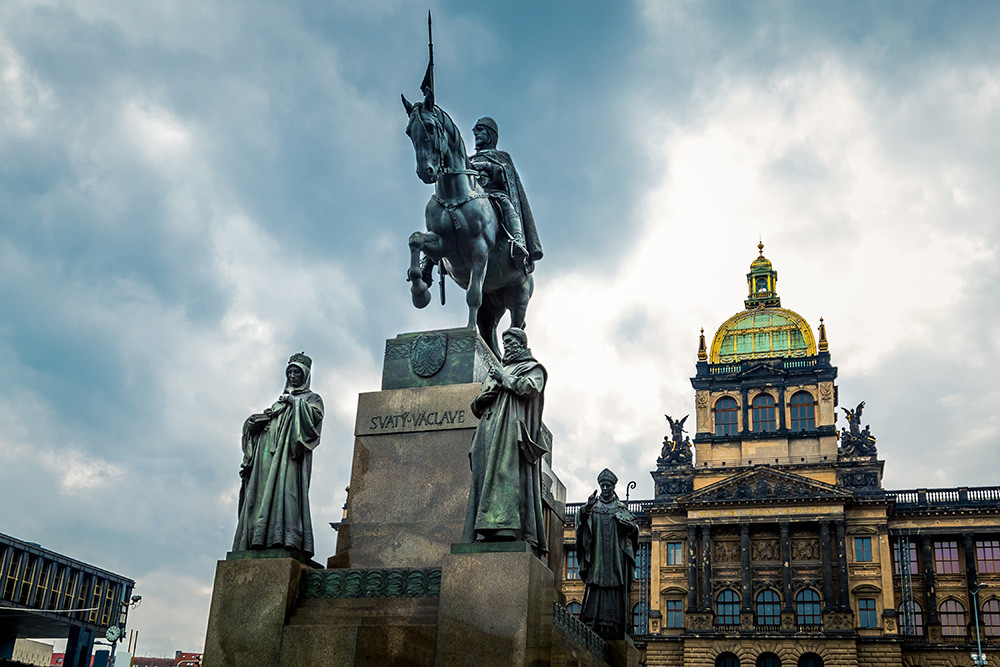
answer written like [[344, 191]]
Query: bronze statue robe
[[505, 500], [504, 178], [277, 464], [607, 538]]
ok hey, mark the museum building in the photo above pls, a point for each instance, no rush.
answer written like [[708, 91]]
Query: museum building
[[770, 541]]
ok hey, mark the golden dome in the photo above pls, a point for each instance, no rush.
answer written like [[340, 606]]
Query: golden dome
[[762, 333]]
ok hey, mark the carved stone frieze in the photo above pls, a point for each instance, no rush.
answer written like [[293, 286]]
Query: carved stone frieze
[[805, 549], [765, 550], [766, 484], [726, 552]]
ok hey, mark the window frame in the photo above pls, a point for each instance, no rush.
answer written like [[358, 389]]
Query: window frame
[[767, 611], [950, 565], [675, 553], [955, 612], [675, 614], [723, 608], [897, 552], [865, 553], [867, 613], [572, 564], [763, 414], [987, 556], [640, 618], [990, 618], [918, 619], [800, 422], [727, 427], [815, 615]]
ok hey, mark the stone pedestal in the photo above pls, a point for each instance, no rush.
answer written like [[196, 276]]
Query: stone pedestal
[[395, 592], [251, 602], [495, 604], [410, 477]]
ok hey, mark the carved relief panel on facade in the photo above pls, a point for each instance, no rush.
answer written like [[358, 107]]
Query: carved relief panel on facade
[[766, 549], [805, 549], [726, 552]]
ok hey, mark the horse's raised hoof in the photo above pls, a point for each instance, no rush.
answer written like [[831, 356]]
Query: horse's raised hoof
[[421, 296]]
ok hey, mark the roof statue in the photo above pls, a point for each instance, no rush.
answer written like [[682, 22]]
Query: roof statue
[[485, 242], [854, 440]]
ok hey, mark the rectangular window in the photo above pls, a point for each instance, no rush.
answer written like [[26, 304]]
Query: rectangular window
[[674, 552], [946, 557], [866, 613], [675, 614], [988, 556], [862, 549], [642, 562], [909, 553], [572, 564]]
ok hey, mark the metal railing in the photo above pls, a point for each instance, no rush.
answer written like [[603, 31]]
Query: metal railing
[[637, 507]]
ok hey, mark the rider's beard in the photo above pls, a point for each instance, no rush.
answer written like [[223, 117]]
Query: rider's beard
[[512, 351]]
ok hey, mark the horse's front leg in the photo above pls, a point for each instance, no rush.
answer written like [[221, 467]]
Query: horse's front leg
[[420, 276], [477, 274]]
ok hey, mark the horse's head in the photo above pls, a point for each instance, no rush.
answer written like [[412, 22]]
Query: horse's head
[[436, 141]]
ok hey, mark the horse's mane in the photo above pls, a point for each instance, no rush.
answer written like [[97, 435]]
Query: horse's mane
[[451, 130]]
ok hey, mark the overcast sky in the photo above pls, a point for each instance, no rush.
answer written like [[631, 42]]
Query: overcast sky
[[190, 191]]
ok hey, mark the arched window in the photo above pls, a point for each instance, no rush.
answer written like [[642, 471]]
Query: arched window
[[768, 608], [763, 414], [768, 660], [803, 411], [952, 618], [727, 660], [810, 660], [726, 421], [727, 608], [912, 626], [574, 608], [807, 611], [640, 619], [991, 618]]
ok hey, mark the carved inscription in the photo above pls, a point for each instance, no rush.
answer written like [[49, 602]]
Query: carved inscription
[[416, 420]]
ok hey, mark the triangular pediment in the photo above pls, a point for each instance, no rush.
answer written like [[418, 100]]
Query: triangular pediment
[[764, 484]]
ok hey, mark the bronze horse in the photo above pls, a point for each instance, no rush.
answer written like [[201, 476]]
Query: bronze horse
[[463, 233]]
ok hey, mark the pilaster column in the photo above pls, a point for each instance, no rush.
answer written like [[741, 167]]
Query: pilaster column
[[845, 598], [971, 575], [654, 571], [781, 408], [786, 565], [827, 555], [692, 568], [932, 608], [746, 590], [706, 565], [745, 409]]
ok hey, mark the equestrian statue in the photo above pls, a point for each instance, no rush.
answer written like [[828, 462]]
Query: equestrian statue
[[474, 235]]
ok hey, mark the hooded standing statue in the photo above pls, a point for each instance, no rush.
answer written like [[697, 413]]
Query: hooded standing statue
[[505, 500], [277, 463], [607, 538]]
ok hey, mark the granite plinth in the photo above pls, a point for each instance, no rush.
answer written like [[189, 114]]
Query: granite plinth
[[410, 477], [294, 554], [436, 358], [623, 653], [496, 604], [251, 602]]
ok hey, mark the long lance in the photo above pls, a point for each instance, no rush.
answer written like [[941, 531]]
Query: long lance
[[427, 87]]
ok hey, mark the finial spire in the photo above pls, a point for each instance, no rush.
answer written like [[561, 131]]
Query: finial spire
[[823, 345], [760, 247], [702, 352]]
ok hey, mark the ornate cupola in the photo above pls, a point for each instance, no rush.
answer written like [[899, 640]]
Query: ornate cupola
[[762, 282]]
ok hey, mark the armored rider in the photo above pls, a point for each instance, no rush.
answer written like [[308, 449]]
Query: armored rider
[[499, 178]]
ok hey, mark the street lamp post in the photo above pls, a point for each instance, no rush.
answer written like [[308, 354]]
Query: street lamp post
[[978, 659]]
